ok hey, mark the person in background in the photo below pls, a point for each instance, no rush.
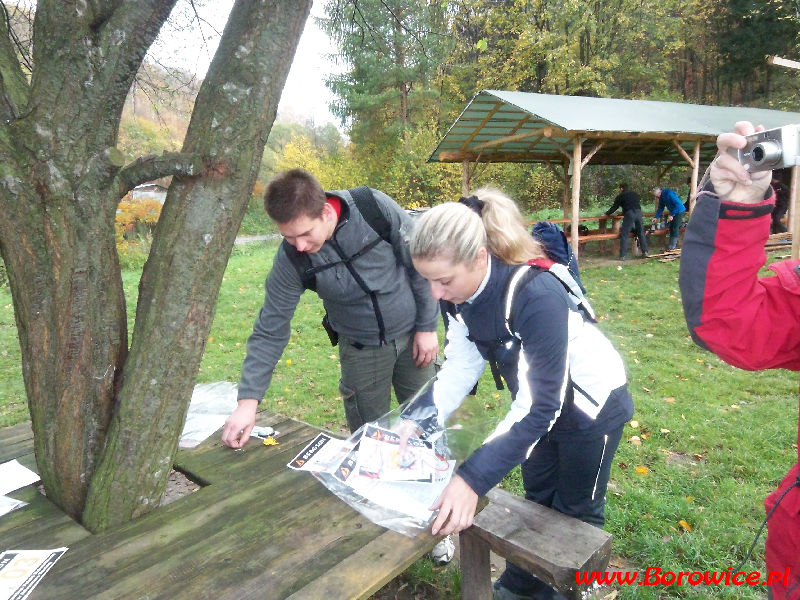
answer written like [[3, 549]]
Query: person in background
[[628, 200], [749, 321], [570, 399], [668, 199], [781, 205]]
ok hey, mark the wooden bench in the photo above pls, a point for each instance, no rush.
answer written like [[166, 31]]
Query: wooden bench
[[547, 543]]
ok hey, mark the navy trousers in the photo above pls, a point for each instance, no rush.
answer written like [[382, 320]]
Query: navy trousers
[[569, 476]]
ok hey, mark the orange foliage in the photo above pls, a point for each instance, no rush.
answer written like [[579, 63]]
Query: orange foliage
[[134, 216]]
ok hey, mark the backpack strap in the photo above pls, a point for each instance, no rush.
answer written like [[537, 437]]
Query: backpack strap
[[364, 199], [523, 275], [365, 202], [301, 264]]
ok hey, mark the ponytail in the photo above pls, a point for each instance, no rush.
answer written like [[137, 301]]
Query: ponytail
[[458, 230]]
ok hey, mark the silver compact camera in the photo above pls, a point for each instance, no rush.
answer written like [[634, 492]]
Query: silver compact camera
[[773, 149]]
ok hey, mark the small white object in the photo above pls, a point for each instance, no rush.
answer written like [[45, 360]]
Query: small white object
[[444, 551]]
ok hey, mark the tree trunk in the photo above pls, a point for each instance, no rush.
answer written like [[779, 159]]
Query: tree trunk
[[106, 420]]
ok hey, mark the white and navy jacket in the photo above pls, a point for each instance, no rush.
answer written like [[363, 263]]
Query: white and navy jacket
[[565, 377]]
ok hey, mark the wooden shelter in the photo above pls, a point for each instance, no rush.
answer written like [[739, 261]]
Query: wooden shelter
[[568, 132]]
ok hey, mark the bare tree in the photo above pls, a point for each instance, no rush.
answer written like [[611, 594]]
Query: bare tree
[[107, 416]]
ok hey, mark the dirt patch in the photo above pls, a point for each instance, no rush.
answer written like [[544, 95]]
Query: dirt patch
[[178, 486]]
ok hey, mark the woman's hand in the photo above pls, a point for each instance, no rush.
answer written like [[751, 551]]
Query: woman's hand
[[731, 180], [456, 505]]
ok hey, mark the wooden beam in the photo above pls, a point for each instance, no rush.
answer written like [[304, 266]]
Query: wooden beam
[[783, 62], [794, 223], [576, 192], [695, 174], [683, 152], [546, 131], [589, 156]]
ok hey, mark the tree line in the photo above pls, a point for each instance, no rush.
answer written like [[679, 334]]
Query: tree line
[[412, 65]]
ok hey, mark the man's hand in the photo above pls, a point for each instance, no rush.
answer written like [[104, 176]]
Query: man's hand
[[456, 505], [426, 347], [241, 422], [731, 180]]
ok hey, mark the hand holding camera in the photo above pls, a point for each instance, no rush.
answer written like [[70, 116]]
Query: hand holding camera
[[731, 179]]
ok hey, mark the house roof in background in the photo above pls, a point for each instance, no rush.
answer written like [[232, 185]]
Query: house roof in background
[[505, 126]]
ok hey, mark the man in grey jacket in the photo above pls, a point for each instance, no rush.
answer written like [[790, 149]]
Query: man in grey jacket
[[380, 307]]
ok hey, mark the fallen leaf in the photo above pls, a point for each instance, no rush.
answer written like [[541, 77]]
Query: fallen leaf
[[686, 527], [640, 470], [634, 424], [669, 400], [664, 430], [634, 439]]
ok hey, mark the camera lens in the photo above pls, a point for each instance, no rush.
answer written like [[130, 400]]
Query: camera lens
[[766, 153]]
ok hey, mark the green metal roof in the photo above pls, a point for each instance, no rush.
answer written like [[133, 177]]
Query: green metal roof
[[502, 126]]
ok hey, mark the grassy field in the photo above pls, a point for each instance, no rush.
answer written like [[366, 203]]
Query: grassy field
[[706, 444]]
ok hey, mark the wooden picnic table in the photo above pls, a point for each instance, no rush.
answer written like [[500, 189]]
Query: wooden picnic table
[[255, 530]]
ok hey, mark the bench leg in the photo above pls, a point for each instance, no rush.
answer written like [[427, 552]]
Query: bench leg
[[476, 576]]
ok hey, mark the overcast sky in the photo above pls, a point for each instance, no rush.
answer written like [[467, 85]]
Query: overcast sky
[[305, 95]]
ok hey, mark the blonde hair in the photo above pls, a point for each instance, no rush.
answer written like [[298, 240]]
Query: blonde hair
[[456, 232]]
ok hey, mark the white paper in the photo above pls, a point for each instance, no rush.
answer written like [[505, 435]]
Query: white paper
[[8, 504], [22, 570], [322, 455], [14, 476]]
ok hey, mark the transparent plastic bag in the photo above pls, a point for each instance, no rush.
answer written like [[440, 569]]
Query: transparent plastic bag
[[209, 408], [395, 488]]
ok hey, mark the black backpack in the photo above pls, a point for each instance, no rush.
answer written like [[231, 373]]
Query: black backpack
[[366, 204]]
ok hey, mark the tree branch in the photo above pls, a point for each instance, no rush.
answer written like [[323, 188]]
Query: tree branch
[[150, 167], [13, 83]]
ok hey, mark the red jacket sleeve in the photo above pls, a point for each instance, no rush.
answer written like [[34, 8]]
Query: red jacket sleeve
[[749, 321]]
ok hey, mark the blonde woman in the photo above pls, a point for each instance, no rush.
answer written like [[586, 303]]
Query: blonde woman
[[568, 385]]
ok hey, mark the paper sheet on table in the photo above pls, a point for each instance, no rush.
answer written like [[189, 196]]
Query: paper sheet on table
[[8, 504], [14, 476], [22, 570], [322, 455]]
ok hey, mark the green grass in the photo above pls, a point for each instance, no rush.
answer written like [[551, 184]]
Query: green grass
[[714, 439]]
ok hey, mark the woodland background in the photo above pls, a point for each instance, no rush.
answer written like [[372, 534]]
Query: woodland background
[[411, 66]]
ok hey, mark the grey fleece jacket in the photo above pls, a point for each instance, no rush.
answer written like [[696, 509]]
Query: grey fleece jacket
[[404, 296]]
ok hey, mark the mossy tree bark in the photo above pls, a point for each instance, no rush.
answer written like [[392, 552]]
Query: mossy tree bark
[[107, 417]]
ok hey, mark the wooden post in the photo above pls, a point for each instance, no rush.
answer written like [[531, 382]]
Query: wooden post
[[576, 192], [695, 174], [465, 177], [476, 574], [794, 225]]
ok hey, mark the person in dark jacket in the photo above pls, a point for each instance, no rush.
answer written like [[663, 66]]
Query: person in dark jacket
[[570, 399], [387, 337], [781, 205], [628, 200], [748, 321]]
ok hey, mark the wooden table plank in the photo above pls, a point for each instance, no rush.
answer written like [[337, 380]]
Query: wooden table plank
[[255, 530], [25, 527]]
